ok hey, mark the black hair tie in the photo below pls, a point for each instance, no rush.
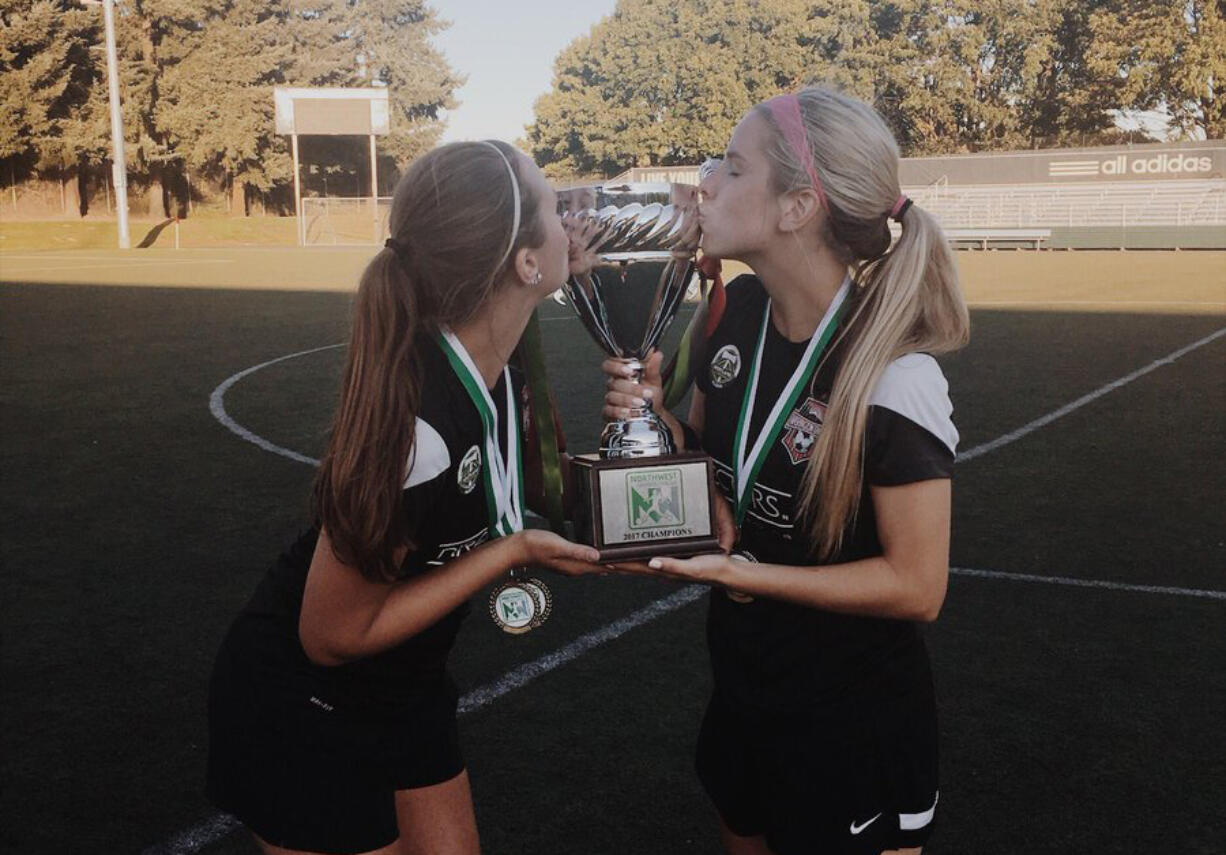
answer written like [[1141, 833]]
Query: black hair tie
[[900, 209]]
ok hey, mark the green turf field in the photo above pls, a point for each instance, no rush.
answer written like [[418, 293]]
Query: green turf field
[[1074, 718]]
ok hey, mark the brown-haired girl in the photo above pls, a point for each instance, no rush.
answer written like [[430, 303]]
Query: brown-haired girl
[[332, 717], [829, 422]]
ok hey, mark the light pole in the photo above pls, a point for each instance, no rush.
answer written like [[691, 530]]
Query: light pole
[[119, 171]]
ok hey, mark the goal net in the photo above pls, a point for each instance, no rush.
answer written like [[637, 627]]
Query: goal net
[[345, 221]]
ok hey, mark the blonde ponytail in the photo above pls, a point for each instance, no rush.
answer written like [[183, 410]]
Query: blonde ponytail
[[907, 299]]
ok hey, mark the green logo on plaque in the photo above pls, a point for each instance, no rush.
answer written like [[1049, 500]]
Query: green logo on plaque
[[655, 498]]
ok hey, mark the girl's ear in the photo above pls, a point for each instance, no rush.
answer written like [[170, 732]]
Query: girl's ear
[[797, 209], [527, 267]]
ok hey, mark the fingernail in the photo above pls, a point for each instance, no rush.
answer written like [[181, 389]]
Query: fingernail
[[655, 564], [638, 402], [648, 394]]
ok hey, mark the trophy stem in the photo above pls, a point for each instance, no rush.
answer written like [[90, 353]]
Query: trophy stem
[[636, 377], [641, 434]]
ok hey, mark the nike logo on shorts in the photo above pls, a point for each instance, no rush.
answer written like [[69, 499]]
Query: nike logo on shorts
[[856, 829]]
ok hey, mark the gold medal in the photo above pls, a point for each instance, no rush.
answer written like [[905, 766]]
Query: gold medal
[[544, 600], [513, 606]]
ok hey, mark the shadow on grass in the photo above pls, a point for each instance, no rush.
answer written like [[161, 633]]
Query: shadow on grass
[[151, 238]]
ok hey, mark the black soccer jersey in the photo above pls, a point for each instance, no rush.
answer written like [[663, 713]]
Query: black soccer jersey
[[772, 654], [445, 503]]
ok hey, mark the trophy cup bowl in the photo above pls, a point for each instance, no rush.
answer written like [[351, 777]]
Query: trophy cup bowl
[[632, 259]]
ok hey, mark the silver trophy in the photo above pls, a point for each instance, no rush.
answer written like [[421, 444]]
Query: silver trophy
[[631, 261], [636, 258]]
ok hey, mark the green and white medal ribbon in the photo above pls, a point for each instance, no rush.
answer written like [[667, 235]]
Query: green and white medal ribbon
[[501, 477], [518, 604], [747, 465]]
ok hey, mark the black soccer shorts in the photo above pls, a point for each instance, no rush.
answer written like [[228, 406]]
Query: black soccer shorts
[[857, 780], [303, 776]]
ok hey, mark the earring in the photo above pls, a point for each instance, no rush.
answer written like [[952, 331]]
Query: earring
[[536, 280]]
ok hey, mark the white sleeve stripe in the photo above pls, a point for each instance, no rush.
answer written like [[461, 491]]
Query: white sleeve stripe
[[429, 457], [914, 387]]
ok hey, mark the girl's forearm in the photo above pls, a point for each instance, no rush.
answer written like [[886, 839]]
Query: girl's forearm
[[415, 604], [871, 587]]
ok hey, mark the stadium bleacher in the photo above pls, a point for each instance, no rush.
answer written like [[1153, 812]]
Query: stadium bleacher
[[1043, 199], [1182, 203], [1175, 214]]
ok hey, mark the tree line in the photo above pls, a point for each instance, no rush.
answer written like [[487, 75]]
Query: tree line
[[658, 82], [662, 82], [196, 85]]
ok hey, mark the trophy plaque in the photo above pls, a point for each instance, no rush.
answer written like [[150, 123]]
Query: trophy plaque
[[631, 260]]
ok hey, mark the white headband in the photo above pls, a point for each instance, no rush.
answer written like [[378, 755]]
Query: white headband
[[514, 196]]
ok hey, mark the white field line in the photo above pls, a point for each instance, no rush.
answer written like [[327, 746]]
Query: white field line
[[219, 825], [526, 673], [217, 406], [1042, 421], [197, 837], [1088, 583]]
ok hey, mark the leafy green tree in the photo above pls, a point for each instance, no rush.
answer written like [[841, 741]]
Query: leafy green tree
[[1167, 55], [391, 41], [216, 110], [196, 84], [661, 82], [960, 75], [46, 74], [151, 39], [218, 102]]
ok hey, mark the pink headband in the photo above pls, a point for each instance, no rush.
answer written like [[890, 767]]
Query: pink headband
[[785, 110]]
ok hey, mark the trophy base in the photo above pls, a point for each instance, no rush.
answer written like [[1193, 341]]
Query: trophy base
[[632, 509]]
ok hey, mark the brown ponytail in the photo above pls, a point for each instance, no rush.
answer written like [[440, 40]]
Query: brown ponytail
[[450, 218]]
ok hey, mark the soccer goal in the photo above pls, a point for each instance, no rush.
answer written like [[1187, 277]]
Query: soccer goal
[[344, 221]]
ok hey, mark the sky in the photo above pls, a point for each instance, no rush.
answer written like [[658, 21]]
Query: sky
[[507, 51]]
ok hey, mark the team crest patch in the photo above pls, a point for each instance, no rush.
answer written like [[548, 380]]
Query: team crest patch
[[470, 470], [655, 498], [725, 366], [801, 429]]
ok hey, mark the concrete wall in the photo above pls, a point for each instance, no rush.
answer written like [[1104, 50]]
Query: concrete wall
[[1155, 162], [1138, 237], [1151, 162]]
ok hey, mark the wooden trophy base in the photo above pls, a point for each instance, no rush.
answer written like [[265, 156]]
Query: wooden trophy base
[[634, 508]]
